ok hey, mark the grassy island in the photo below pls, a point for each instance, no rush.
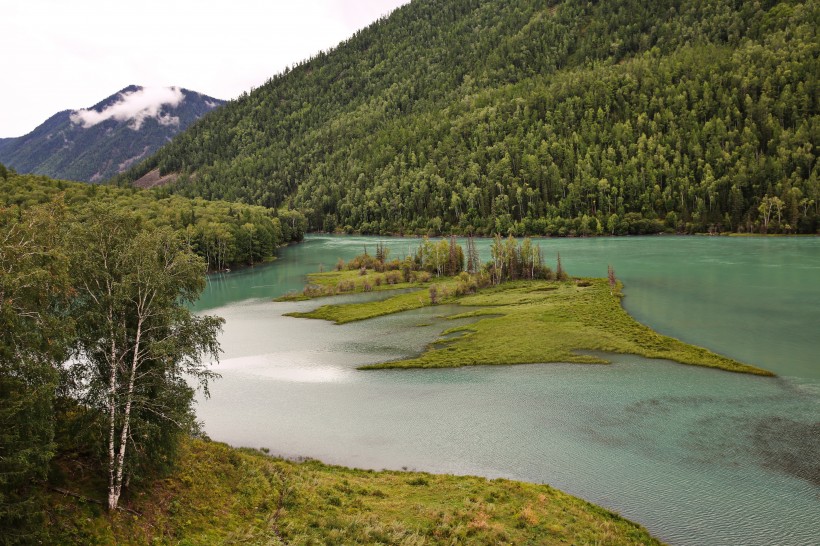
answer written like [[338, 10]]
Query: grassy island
[[223, 495], [552, 319]]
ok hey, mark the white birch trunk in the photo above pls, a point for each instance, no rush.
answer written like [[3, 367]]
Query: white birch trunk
[[115, 484]]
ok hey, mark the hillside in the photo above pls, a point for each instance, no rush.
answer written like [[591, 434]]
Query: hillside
[[536, 116], [224, 234], [94, 144]]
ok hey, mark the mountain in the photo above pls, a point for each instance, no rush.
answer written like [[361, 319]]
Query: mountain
[[96, 143], [550, 117]]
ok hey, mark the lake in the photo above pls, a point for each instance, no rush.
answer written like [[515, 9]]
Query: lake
[[698, 456]]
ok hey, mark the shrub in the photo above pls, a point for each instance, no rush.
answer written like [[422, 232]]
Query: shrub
[[482, 279], [393, 277], [433, 294], [406, 270], [313, 291], [346, 286]]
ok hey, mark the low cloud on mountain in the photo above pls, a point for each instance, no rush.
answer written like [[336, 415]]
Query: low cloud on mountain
[[135, 107]]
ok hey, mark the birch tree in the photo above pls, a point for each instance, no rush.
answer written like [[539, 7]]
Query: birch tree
[[137, 341]]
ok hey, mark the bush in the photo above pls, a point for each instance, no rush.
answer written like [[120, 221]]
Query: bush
[[314, 291], [393, 277], [482, 279], [433, 294], [346, 286], [406, 270]]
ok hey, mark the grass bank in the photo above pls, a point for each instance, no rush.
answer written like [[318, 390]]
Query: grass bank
[[223, 495], [526, 322]]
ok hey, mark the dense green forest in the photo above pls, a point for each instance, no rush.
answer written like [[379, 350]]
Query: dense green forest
[[223, 233], [532, 117], [97, 348]]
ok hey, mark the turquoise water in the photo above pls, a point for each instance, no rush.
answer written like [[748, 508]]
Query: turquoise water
[[698, 456]]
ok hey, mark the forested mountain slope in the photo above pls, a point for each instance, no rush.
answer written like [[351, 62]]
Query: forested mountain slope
[[532, 116], [94, 144]]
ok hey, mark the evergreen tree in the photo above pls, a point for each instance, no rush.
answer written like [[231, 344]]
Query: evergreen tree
[[34, 287]]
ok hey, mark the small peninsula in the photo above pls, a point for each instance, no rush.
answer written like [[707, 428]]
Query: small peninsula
[[548, 317]]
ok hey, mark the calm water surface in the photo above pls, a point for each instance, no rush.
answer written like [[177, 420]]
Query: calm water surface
[[698, 456]]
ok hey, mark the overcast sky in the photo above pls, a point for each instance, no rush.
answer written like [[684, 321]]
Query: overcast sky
[[70, 54]]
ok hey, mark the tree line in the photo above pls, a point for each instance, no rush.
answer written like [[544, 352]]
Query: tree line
[[511, 260], [224, 234], [97, 349], [532, 117]]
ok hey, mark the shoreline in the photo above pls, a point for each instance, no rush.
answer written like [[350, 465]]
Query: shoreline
[[566, 317]]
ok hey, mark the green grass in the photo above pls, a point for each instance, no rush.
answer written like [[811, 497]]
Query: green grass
[[534, 322], [329, 283], [222, 495]]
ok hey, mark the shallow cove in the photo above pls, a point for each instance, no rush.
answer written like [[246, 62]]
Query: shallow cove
[[697, 456]]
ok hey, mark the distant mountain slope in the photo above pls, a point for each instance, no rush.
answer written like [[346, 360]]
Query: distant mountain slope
[[93, 145], [532, 116]]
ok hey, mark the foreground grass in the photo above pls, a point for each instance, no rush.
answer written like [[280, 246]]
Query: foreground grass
[[534, 322], [222, 495]]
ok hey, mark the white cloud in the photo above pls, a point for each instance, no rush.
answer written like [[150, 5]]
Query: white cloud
[[135, 107]]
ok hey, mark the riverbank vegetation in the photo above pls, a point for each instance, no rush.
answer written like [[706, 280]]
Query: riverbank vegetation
[[97, 348], [224, 234], [222, 495], [97, 345], [549, 317]]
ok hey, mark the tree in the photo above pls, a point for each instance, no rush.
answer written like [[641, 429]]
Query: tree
[[560, 274], [497, 252], [611, 277], [473, 261], [136, 339], [33, 292], [767, 206]]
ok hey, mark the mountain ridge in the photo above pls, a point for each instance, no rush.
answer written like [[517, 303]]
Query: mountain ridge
[[96, 143], [536, 116]]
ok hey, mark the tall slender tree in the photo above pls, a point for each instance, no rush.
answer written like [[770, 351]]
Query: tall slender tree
[[138, 341]]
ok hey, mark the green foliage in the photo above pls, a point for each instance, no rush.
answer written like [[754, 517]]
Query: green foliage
[[223, 233], [97, 342], [532, 117], [512, 261], [34, 287], [137, 341]]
